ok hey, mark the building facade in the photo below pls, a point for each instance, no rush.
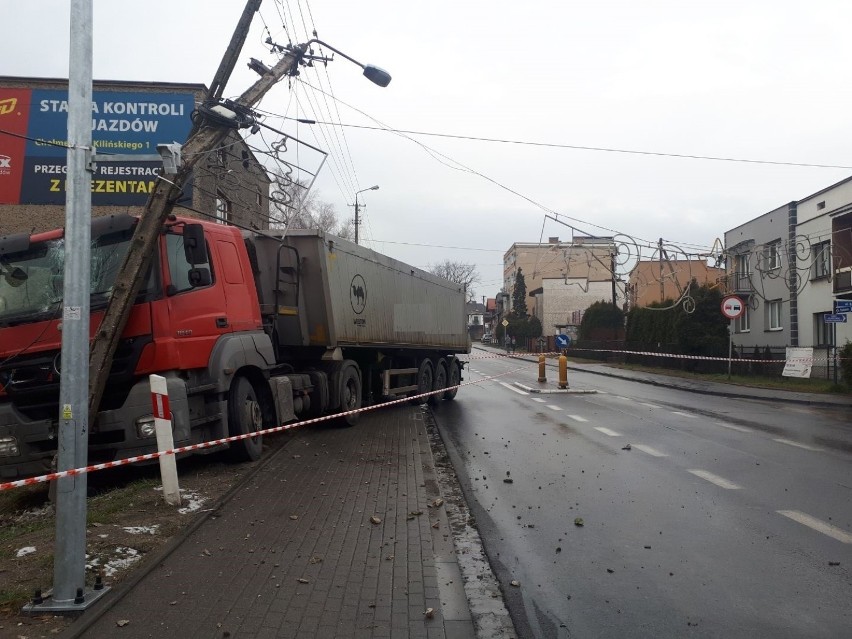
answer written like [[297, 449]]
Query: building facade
[[760, 271], [661, 280], [588, 259], [561, 302], [820, 257], [129, 120], [790, 266]]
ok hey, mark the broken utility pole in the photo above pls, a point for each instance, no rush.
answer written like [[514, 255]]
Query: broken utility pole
[[206, 136]]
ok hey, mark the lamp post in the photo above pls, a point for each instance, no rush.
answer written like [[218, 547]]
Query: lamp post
[[358, 208]]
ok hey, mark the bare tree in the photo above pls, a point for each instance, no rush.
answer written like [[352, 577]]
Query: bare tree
[[293, 206], [457, 272]]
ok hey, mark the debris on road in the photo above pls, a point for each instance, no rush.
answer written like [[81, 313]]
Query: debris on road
[[375, 520], [508, 480], [516, 583], [578, 521], [627, 447]]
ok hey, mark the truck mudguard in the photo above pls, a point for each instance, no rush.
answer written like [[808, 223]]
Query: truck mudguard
[[237, 350]]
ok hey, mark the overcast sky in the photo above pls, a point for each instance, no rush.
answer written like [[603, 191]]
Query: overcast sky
[[751, 79]]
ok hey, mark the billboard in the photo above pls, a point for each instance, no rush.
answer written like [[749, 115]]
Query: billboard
[[33, 136]]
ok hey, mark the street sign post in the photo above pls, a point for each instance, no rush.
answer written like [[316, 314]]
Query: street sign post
[[837, 318], [732, 307], [843, 306], [563, 341]]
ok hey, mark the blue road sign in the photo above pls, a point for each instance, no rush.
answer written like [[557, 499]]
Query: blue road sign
[[843, 306], [837, 318], [563, 341]]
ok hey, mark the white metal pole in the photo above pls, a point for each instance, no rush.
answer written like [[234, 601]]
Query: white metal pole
[[730, 345], [165, 438]]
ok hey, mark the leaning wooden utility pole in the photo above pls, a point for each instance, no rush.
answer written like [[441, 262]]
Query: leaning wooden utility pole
[[205, 137]]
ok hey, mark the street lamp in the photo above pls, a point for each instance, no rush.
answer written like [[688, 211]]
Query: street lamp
[[358, 208], [373, 73]]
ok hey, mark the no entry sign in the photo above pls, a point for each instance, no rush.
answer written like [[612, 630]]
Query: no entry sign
[[732, 307]]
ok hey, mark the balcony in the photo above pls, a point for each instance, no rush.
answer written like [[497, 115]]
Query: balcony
[[738, 283]]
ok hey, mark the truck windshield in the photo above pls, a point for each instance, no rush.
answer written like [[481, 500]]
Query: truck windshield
[[31, 281]]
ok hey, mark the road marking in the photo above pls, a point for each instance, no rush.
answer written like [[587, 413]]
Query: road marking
[[577, 418], [648, 450], [790, 442], [626, 399], [649, 405], [818, 525], [734, 427], [552, 407], [538, 399], [607, 431], [679, 414], [512, 388], [715, 479]]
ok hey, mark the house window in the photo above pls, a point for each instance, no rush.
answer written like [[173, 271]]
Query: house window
[[743, 323], [773, 255], [223, 209], [823, 332], [821, 258], [773, 315]]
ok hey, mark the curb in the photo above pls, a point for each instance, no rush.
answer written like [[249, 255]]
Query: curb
[[484, 594], [556, 391]]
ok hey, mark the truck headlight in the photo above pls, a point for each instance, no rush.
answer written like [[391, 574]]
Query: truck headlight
[[145, 427], [9, 446]]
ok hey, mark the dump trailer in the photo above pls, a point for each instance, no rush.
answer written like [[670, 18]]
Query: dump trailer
[[250, 330]]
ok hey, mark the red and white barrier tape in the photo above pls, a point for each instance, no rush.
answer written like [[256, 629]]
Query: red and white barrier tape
[[216, 442], [821, 358], [706, 357]]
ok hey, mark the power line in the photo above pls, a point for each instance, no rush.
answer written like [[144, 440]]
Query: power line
[[577, 147], [38, 140]]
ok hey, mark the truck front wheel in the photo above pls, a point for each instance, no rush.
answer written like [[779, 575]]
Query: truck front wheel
[[245, 415]]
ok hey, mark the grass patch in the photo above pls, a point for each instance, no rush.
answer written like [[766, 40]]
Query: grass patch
[[12, 599], [111, 506]]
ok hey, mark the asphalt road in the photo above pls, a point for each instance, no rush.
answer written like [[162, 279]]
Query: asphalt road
[[725, 518]]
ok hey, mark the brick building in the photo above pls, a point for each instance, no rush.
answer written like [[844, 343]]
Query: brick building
[[129, 120]]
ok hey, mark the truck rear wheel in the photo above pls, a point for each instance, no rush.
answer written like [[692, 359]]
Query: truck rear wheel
[[440, 382], [350, 394], [453, 379], [425, 379], [245, 415]]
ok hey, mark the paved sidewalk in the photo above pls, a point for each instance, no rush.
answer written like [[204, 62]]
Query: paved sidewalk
[[294, 552]]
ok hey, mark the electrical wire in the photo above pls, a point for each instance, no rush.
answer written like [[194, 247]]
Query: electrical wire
[[577, 147]]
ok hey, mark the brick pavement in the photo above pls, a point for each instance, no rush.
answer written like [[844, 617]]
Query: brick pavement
[[294, 554]]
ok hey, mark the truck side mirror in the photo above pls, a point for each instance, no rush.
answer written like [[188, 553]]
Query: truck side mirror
[[200, 277], [194, 246]]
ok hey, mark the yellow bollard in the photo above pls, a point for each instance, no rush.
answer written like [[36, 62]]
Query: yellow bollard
[[563, 371], [541, 366]]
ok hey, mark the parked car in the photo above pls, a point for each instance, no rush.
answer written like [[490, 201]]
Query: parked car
[[486, 339]]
